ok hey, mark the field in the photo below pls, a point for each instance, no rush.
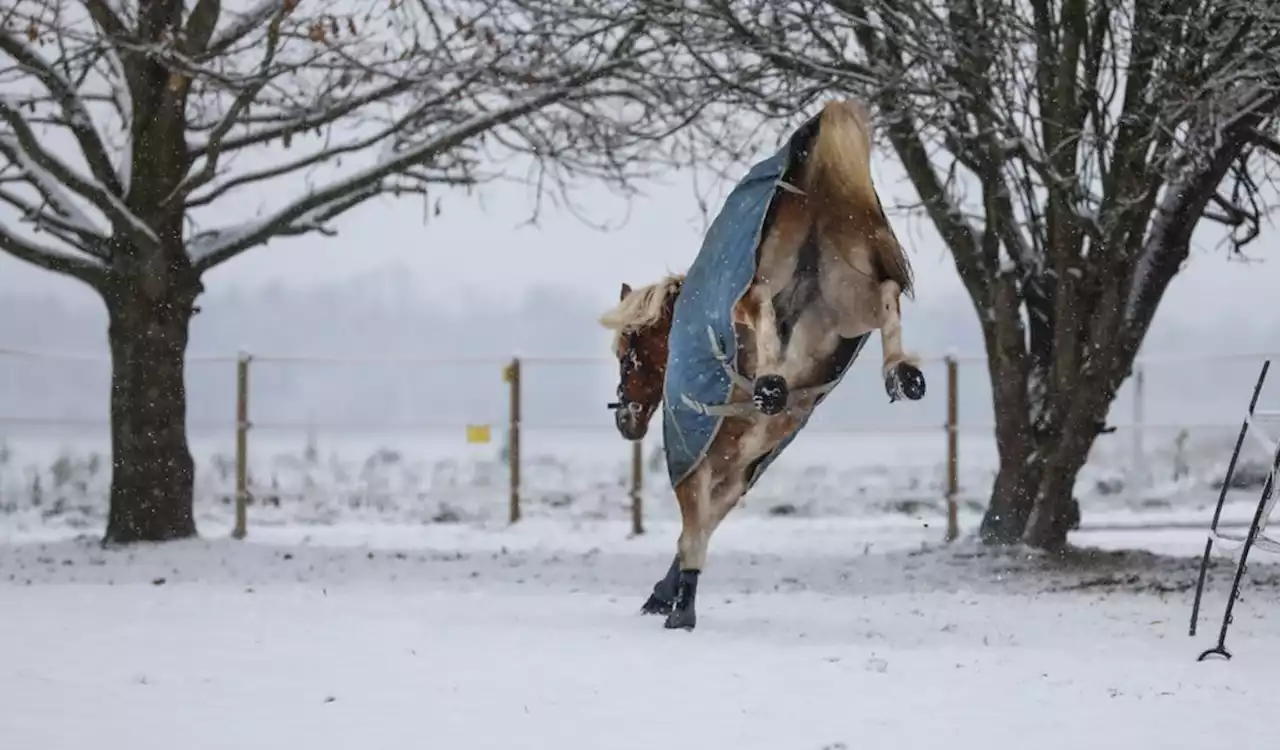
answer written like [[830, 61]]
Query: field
[[812, 634], [381, 600]]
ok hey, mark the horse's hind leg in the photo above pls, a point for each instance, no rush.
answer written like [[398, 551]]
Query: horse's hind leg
[[902, 375], [770, 389]]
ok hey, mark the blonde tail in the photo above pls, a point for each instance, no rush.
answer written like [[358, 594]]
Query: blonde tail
[[837, 178], [838, 171]]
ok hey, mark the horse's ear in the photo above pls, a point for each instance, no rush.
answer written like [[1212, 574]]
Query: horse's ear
[[626, 289]]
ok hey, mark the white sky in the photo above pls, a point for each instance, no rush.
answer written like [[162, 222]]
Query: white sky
[[477, 249]]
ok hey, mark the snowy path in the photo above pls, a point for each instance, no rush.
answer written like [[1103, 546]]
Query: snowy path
[[808, 638]]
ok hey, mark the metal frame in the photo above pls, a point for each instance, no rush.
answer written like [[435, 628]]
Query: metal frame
[[1255, 536]]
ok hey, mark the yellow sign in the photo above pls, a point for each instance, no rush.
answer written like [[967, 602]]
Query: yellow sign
[[478, 433]]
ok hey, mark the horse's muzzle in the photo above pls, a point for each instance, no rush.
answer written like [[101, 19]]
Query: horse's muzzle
[[632, 420]]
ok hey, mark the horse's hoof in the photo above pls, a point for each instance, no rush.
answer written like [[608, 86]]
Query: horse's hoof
[[906, 381], [770, 395], [912, 380], [656, 606], [681, 619]]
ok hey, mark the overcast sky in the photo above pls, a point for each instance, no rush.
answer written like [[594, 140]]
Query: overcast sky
[[477, 248]]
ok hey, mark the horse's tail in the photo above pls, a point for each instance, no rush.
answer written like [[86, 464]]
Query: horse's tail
[[837, 178]]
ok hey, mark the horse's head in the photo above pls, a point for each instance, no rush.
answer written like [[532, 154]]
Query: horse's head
[[641, 323]]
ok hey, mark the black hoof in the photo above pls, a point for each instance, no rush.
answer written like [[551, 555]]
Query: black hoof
[[906, 381], [681, 619], [770, 395], [656, 606]]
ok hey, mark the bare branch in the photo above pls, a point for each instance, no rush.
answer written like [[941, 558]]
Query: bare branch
[[75, 115], [24, 150], [59, 225], [1271, 145], [105, 17], [200, 27], [257, 15], [338, 197], [51, 259], [196, 101]]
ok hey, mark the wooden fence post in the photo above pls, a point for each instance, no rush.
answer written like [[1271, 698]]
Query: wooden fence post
[[242, 446], [513, 437], [1138, 474], [637, 487], [953, 449]]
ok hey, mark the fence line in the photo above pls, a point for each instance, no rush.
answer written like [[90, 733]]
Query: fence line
[[243, 423], [863, 428], [540, 359]]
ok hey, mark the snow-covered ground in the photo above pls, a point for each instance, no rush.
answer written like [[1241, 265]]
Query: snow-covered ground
[[380, 600], [813, 633]]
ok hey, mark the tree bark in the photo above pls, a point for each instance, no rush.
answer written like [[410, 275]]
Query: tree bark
[[1046, 422], [1009, 370], [1013, 494], [1055, 510], [1045, 428], [152, 470]]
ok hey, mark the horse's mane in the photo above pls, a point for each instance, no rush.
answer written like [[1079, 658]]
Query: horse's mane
[[642, 308]]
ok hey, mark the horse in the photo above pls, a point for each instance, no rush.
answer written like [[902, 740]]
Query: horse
[[642, 322], [797, 269]]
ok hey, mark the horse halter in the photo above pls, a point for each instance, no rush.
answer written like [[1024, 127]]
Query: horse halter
[[626, 366]]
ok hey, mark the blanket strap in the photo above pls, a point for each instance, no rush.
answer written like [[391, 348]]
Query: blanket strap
[[788, 187], [746, 408]]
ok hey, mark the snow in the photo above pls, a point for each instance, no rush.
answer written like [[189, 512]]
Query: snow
[[249, 19], [64, 206], [358, 609], [101, 197], [812, 634], [60, 478]]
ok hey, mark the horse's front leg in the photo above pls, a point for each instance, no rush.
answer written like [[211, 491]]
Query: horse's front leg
[[663, 598], [704, 503], [901, 371], [769, 390], [675, 594]]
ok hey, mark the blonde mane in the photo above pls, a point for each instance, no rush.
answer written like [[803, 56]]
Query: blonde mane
[[642, 308]]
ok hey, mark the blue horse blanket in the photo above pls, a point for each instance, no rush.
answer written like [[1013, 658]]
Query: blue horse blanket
[[718, 278]]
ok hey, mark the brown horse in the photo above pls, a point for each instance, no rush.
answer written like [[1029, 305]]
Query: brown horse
[[829, 270], [642, 321]]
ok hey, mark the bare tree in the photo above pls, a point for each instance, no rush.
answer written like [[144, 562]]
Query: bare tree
[[126, 127], [1065, 150]]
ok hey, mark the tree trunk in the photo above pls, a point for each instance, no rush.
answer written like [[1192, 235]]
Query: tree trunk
[[1012, 498], [152, 470], [1056, 511], [1041, 454], [1045, 427], [1034, 502], [1014, 493], [1009, 369]]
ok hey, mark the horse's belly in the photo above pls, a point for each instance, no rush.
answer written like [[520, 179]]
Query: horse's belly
[[763, 437], [852, 298]]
